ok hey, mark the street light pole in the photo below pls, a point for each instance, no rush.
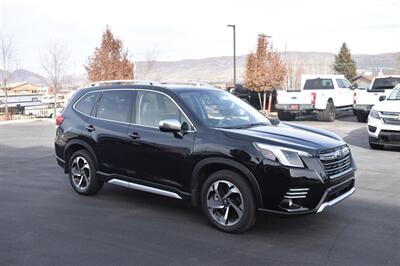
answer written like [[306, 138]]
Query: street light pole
[[234, 54]]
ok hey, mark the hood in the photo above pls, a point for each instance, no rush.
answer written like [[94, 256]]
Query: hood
[[311, 140], [388, 106]]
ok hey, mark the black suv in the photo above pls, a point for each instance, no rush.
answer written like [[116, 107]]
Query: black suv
[[203, 145]]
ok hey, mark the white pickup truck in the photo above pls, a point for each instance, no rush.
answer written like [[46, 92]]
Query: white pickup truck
[[320, 94], [365, 99]]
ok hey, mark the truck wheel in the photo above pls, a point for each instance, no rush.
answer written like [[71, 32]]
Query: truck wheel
[[329, 114], [286, 116], [361, 116], [376, 146]]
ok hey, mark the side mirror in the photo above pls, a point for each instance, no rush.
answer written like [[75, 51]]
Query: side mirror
[[274, 121], [354, 86], [382, 98], [170, 125]]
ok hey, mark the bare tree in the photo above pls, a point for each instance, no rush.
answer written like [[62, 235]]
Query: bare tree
[[149, 63], [8, 65], [54, 64]]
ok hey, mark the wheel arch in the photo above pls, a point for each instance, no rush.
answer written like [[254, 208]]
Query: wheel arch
[[73, 146], [210, 165]]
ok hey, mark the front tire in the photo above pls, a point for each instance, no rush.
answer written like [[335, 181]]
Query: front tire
[[228, 202], [82, 174], [376, 146], [361, 116]]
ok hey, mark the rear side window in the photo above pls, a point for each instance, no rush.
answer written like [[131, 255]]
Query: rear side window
[[318, 84], [86, 103], [115, 106]]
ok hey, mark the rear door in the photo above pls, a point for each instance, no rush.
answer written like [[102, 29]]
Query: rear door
[[109, 129]]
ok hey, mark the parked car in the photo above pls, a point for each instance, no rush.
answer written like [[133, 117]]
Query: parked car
[[203, 145], [320, 94], [251, 97], [384, 121], [365, 99]]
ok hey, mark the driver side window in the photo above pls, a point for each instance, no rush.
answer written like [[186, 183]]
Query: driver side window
[[152, 107]]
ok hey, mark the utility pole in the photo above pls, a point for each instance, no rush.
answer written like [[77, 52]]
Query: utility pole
[[234, 54]]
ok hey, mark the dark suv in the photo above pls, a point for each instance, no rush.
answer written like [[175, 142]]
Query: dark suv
[[203, 145]]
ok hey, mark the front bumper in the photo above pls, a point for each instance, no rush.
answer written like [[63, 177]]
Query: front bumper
[[383, 133], [291, 191]]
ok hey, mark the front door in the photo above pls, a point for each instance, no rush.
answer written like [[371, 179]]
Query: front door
[[159, 156]]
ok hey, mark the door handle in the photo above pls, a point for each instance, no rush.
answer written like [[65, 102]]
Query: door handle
[[134, 135], [90, 128]]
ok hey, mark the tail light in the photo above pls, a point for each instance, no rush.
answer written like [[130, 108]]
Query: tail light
[[354, 97], [59, 120], [313, 98]]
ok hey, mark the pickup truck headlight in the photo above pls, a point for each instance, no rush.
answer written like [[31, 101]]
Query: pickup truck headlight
[[285, 156], [375, 114]]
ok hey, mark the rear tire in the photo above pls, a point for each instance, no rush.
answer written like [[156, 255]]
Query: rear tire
[[376, 146], [82, 173], [286, 116], [361, 116], [329, 114], [228, 202]]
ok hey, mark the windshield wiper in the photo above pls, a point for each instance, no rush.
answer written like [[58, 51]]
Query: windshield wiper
[[247, 125]]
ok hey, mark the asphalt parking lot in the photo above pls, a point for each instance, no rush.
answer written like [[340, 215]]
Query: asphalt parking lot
[[44, 222]]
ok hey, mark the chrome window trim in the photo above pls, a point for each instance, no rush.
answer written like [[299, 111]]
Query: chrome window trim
[[133, 89]]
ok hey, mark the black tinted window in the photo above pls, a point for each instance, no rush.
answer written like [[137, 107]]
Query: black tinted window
[[115, 106], [385, 83], [152, 107], [318, 84], [85, 104]]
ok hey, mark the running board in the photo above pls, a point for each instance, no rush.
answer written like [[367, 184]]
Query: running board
[[144, 188]]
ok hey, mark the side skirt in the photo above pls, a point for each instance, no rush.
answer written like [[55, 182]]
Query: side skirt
[[138, 184]]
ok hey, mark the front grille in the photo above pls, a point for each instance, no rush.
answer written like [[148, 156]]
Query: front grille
[[392, 118], [337, 161]]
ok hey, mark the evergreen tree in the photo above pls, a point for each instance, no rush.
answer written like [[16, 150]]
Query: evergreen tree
[[110, 61], [344, 64]]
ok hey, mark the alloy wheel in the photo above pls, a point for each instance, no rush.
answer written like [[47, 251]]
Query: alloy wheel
[[225, 203], [80, 173]]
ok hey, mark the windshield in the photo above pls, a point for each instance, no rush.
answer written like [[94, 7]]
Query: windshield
[[220, 109], [385, 83], [395, 95]]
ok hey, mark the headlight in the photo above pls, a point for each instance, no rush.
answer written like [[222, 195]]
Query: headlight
[[375, 114], [285, 156]]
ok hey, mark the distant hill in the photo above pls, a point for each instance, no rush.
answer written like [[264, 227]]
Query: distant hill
[[21, 75], [219, 69]]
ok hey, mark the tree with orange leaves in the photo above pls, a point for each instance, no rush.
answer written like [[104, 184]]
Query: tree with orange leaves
[[264, 70], [110, 61]]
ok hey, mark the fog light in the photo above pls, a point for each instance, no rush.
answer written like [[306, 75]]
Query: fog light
[[286, 203], [372, 129]]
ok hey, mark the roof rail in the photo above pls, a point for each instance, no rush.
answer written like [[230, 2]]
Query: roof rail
[[122, 82]]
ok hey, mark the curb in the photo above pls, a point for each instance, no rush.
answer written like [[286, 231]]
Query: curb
[[8, 122]]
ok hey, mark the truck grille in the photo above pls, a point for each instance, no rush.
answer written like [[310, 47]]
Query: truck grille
[[392, 118], [337, 161]]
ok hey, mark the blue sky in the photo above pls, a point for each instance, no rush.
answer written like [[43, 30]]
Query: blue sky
[[196, 29]]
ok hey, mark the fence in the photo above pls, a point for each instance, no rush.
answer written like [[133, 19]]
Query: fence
[[29, 112]]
